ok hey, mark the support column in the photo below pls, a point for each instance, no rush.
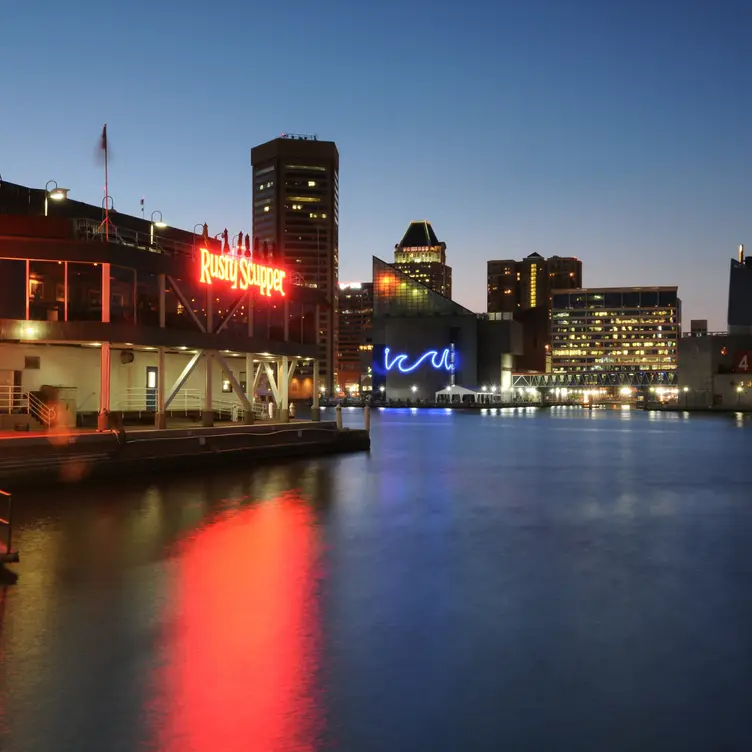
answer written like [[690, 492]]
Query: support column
[[207, 416], [249, 384], [315, 408], [103, 418], [161, 416], [284, 389], [106, 298], [162, 301]]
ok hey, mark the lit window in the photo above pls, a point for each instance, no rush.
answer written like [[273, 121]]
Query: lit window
[[266, 208], [311, 183]]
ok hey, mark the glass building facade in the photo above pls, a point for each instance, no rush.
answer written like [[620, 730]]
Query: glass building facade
[[396, 293], [615, 330]]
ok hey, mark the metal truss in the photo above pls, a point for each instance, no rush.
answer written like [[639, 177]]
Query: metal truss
[[556, 380]]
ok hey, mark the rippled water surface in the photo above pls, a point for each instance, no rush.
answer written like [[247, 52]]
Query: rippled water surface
[[522, 581]]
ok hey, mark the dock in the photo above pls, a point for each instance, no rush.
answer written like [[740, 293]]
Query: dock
[[74, 455]]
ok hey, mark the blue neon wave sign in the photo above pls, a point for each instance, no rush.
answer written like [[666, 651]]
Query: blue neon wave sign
[[438, 361]]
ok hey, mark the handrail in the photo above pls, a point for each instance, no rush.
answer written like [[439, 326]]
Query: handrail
[[136, 399], [39, 410], [9, 555]]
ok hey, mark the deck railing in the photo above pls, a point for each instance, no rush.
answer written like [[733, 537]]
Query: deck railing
[[14, 401]]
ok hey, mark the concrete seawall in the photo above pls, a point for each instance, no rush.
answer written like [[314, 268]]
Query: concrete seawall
[[71, 457]]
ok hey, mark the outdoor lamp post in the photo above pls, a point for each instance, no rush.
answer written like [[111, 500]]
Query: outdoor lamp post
[[156, 223], [55, 193], [739, 391]]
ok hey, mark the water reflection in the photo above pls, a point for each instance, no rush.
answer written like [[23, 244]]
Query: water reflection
[[242, 633], [165, 615]]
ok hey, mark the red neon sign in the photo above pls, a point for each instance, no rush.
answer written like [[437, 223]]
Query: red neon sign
[[241, 272]]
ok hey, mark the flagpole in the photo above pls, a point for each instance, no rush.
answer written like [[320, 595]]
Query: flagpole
[[106, 189], [106, 221]]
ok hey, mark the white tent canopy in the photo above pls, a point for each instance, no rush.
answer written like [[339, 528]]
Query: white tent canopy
[[455, 394]]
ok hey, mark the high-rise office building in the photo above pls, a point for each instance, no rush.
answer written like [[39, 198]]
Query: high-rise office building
[[296, 222], [615, 330], [519, 285], [422, 256], [355, 320], [523, 289]]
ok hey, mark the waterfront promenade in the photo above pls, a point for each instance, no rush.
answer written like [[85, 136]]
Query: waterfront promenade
[[522, 579]]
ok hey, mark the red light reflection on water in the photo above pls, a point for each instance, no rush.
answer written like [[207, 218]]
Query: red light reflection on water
[[242, 642]]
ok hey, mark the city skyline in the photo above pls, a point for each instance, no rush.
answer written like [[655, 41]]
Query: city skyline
[[609, 134]]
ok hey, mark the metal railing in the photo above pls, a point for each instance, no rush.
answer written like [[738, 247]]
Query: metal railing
[[9, 555], [89, 230], [14, 401], [142, 400], [40, 410]]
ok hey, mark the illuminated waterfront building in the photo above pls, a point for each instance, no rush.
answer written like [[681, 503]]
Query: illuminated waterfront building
[[296, 218], [355, 319], [615, 330], [422, 256], [423, 342], [141, 319]]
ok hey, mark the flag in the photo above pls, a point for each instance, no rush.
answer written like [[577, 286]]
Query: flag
[[103, 148], [142, 202]]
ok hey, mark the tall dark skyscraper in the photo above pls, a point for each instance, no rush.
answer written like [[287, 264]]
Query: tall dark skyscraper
[[422, 256], [296, 218], [515, 286], [523, 289]]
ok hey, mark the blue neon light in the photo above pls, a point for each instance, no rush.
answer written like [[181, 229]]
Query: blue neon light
[[437, 361]]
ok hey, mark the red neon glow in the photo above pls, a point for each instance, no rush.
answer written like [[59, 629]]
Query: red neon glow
[[243, 636], [241, 272]]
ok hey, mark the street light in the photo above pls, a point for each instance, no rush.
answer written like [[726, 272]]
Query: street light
[[739, 391], [155, 223], [56, 193], [414, 388]]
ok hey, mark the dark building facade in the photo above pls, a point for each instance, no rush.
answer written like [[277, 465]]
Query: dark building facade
[[422, 256], [520, 285], [739, 318], [523, 290], [355, 320], [296, 219], [423, 342]]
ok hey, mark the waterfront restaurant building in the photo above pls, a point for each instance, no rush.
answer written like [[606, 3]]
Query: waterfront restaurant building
[[135, 318], [424, 343]]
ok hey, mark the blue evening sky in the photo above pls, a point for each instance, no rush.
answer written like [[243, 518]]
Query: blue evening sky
[[613, 130]]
